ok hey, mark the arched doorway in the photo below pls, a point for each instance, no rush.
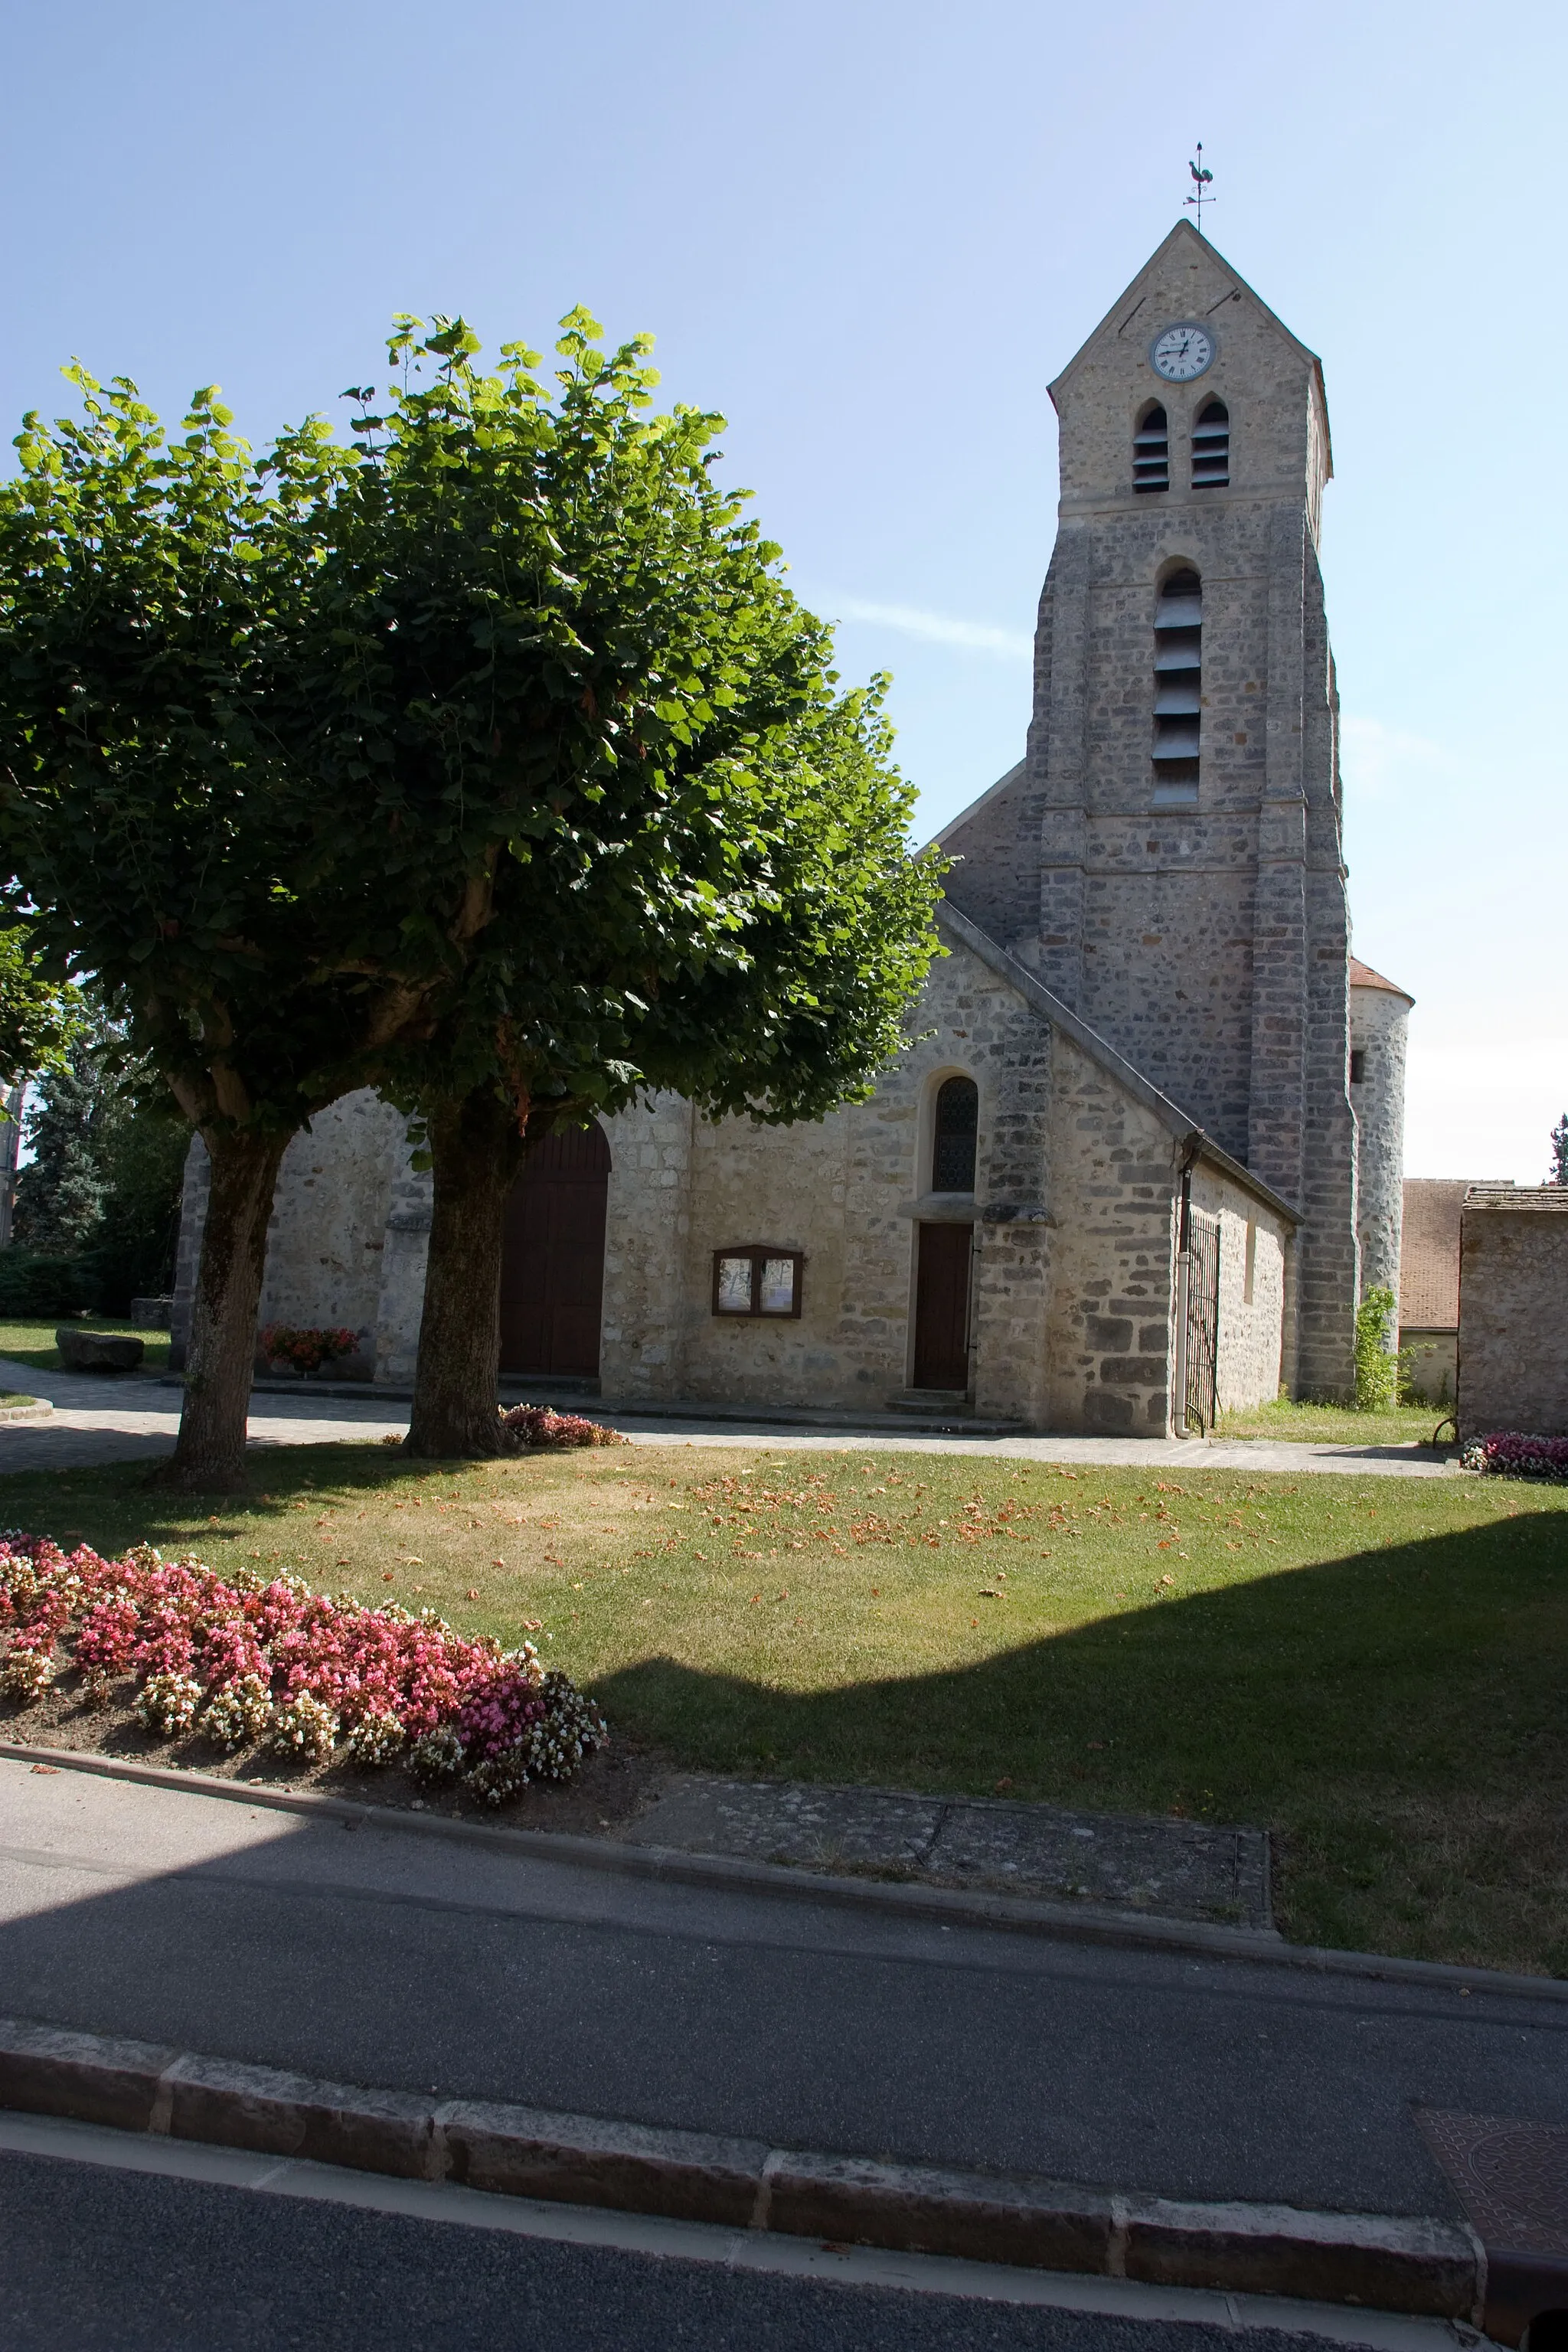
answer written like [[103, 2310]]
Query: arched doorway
[[552, 1258]]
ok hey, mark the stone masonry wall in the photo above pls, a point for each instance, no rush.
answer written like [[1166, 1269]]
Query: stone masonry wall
[[1250, 1326], [1380, 1023], [194, 1193], [996, 880], [1209, 943], [328, 1230], [1112, 1255], [1513, 1314], [400, 1300], [848, 1191]]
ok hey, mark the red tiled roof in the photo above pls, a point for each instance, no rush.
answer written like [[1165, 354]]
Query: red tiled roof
[[1364, 976], [1429, 1250]]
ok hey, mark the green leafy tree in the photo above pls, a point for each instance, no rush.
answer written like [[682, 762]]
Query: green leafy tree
[[489, 760], [1558, 1174], [154, 594], [60, 1193], [629, 835], [103, 1185], [1376, 1364], [142, 1151], [39, 1019]]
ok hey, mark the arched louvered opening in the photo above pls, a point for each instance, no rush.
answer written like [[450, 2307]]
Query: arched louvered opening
[[955, 1131], [1178, 688], [1211, 447], [1152, 450]]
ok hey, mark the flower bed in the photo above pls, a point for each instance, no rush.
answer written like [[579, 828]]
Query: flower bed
[[536, 1425], [305, 1349], [276, 1665], [1508, 1454]]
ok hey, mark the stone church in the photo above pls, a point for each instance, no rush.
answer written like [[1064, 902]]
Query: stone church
[[1120, 1182]]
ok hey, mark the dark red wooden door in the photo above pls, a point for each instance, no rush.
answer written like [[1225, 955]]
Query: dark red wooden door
[[942, 1307], [553, 1262]]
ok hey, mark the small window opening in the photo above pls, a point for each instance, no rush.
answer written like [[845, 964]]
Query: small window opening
[[1152, 451], [758, 1278], [1358, 1065], [953, 1142], [1211, 447], [1178, 689], [1250, 1272]]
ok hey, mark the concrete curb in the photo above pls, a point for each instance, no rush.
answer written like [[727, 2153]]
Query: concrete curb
[[1417, 2265], [1066, 1922], [39, 1409]]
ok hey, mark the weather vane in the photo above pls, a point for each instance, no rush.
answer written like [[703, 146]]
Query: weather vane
[[1200, 196]]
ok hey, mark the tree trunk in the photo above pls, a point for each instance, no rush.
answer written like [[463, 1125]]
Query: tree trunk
[[209, 1453], [475, 1152]]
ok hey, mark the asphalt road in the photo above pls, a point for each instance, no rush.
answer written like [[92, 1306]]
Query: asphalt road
[[100, 2260], [409, 1961]]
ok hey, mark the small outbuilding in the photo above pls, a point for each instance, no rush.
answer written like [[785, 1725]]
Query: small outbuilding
[[1513, 1310], [1429, 1280]]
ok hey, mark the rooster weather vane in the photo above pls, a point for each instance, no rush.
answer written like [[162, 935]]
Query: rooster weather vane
[[1200, 196]]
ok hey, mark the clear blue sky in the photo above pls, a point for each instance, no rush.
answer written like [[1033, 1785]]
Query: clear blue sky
[[870, 232]]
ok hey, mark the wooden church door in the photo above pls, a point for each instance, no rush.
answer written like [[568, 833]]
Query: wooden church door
[[942, 1307], [552, 1259]]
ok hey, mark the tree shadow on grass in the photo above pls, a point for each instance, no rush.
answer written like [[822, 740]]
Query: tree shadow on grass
[[1398, 1717]]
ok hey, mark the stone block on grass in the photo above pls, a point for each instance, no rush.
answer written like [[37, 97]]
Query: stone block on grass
[[98, 1351]]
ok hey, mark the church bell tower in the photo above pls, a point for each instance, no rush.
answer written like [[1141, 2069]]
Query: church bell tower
[[1167, 859]]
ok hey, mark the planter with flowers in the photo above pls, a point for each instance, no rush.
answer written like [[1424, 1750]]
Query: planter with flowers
[[306, 1350], [1509, 1454], [242, 1664]]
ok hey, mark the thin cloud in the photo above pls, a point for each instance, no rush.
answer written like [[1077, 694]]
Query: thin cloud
[[934, 628], [1380, 760]]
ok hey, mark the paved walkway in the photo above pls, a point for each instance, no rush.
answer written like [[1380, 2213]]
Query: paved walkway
[[415, 1962], [98, 1418]]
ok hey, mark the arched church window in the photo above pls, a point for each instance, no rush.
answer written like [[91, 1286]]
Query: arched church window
[[1152, 450], [1178, 684], [1211, 447], [956, 1130]]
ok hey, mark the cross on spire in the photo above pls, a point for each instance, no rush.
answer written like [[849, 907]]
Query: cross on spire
[[1200, 196]]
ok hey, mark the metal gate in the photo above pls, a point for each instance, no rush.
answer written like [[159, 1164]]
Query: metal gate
[[1202, 1348]]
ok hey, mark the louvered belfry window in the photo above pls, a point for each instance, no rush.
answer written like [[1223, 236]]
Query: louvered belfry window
[[1211, 447], [1178, 688], [1152, 450], [957, 1131]]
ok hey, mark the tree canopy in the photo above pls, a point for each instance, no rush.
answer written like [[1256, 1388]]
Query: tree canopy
[[487, 758], [624, 830], [39, 1018], [627, 830]]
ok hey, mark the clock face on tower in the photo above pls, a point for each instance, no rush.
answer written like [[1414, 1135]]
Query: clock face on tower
[[1182, 352]]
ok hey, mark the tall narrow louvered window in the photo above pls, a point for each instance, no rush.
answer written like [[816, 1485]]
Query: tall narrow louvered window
[[956, 1132], [1178, 688], [1211, 447], [1152, 451]]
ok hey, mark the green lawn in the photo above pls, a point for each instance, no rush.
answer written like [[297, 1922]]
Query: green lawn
[[1332, 1424], [34, 1342], [1373, 1668]]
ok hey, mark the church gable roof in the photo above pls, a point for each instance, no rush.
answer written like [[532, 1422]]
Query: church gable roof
[[1170, 1116], [1184, 241]]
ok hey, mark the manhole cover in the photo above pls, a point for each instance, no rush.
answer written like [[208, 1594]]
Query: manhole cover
[[1512, 2178]]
